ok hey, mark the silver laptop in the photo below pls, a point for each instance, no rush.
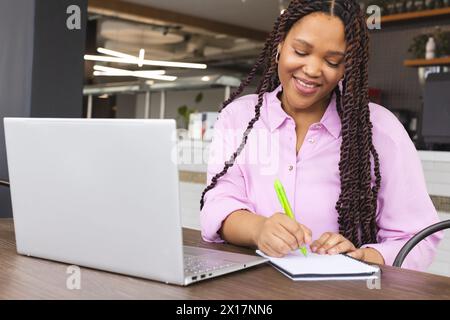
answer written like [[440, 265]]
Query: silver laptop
[[103, 193]]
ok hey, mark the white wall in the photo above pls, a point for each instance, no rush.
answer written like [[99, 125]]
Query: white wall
[[436, 167], [441, 264]]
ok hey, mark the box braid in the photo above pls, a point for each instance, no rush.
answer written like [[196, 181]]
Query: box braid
[[357, 201]]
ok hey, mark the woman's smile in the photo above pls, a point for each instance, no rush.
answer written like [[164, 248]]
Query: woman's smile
[[304, 88]]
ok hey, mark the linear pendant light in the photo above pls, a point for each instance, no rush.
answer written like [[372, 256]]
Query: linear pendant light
[[120, 57], [148, 74]]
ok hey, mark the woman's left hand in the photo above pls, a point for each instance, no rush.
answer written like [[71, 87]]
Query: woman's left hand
[[335, 243], [332, 243]]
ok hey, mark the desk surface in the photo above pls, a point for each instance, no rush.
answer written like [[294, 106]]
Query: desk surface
[[31, 278]]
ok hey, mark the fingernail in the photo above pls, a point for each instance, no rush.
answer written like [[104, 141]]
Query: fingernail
[[313, 249], [321, 250], [333, 251]]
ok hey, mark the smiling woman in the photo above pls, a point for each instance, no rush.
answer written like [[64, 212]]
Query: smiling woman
[[315, 88], [311, 63]]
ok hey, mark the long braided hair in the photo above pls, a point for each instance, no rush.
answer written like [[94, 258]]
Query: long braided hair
[[357, 201]]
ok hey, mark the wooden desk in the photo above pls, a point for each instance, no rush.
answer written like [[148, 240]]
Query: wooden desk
[[31, 278]]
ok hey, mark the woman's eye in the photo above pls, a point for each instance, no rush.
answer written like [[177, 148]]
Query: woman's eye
[[333, 65], [302, 54]]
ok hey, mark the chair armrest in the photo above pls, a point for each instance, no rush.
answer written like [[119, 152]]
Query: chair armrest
[[417, 238]]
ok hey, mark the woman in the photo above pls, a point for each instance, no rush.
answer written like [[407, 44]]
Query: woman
[[351, 172]]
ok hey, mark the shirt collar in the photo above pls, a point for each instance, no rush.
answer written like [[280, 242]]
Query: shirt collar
[[275, 114]]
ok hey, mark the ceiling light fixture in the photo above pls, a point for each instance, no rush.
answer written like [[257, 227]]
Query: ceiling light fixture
[[148, 74], [112, 70], [120, 57]]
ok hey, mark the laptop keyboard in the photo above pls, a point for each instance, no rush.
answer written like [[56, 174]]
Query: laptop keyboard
[[198, 264]]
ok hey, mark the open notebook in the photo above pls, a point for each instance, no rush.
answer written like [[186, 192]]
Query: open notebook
[[322, 267]]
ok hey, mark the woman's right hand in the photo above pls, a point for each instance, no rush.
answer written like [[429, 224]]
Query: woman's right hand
[[278, 235]]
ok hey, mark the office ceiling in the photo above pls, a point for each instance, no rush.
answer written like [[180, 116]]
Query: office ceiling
[[256, 14], [177, 42]]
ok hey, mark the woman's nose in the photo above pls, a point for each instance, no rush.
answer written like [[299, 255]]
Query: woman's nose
[[312, 69]]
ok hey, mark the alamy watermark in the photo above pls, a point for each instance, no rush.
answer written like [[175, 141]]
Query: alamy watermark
[[73, 281], [374, 19], [73, 21], [262, 150], [374, 283]]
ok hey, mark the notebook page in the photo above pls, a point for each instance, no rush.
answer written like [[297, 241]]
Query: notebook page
[[296, 263]]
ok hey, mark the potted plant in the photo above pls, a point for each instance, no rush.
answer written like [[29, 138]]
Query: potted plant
[[442, 38], [417, 47], [184, 112]]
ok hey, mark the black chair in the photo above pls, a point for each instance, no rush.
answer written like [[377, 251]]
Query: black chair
[[4, 183], [417, 238]]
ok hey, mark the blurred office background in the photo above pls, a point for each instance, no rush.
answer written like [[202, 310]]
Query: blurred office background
[[106, 69]]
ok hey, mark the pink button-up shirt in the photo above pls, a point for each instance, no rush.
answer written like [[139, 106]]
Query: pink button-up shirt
[[311, 177]]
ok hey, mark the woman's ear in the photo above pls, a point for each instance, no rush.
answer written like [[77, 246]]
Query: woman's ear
[[341, 83], [280, 45]]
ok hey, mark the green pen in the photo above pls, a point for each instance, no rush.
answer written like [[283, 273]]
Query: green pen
[[286, 206]]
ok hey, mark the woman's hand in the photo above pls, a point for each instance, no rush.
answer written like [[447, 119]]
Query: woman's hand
[[334, 243], [278, 235]]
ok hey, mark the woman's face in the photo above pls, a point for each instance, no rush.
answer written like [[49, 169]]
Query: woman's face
[[312, 52]]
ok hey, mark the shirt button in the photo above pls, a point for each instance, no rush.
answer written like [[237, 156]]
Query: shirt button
[[311, 140], [291, 167]]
